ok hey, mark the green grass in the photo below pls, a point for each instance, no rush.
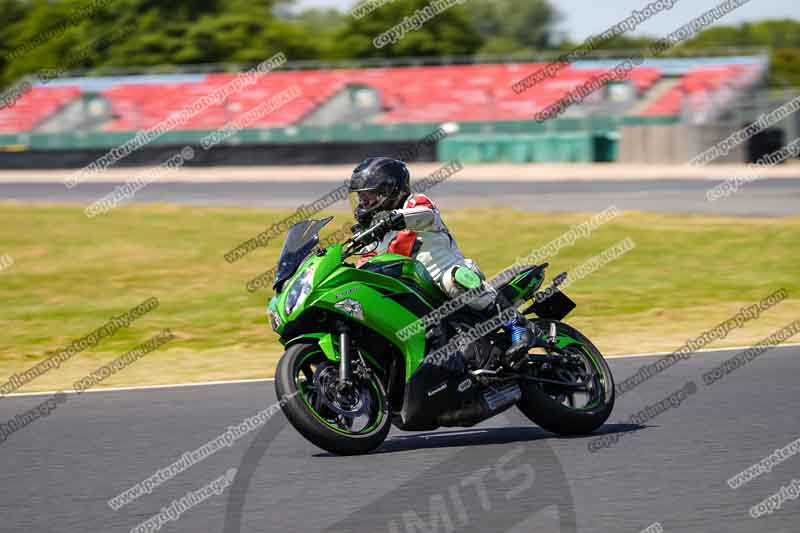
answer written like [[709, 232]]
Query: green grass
[[72, 273]]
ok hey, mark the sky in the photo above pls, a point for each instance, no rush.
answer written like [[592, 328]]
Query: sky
[[583, 18]]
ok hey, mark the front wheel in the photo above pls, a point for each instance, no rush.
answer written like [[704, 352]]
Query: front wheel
[[347, 420], [570, 391]]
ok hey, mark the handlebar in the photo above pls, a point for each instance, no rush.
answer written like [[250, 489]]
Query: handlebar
[[368, 236]]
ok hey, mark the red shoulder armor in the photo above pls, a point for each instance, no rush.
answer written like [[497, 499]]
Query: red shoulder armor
[[419, 200]]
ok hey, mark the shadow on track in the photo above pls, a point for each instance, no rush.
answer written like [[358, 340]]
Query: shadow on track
[[458, 438], [481, 437], [519, 474]]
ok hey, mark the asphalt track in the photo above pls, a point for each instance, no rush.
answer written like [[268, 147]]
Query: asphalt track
[[768, 197], [503, 475]]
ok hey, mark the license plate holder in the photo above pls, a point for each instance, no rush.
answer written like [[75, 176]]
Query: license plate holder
[[557, 306]]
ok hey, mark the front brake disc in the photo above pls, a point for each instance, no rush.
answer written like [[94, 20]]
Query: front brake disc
[[351, 403]]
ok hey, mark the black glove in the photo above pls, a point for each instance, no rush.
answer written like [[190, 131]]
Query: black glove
[[392, 220]]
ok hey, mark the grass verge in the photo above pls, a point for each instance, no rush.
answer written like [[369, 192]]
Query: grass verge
[[70, 274]]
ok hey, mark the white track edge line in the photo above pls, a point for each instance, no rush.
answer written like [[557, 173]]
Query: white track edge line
[[263, 380]]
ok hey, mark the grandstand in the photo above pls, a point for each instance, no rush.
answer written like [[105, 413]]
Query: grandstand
[[487, 120], [701, 88]]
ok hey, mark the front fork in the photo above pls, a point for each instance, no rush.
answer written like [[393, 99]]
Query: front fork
[[345, 367], [350, 364]]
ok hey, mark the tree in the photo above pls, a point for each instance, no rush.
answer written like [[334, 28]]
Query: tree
[[772, 33], [49, 35], [451, 32], [12, 13], [323, 24], [625, 42], [782, 37], [512, 25], [46, 34]]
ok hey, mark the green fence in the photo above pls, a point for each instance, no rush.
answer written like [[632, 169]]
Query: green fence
[[565, 139], [294, 134], [544, 148]]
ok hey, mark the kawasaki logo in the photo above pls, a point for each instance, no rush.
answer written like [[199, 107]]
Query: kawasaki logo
[[342, 294]]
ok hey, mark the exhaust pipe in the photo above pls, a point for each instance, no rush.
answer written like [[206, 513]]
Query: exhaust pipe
[[490, 403]]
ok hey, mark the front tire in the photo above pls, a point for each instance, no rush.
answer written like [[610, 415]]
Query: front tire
[[310, 411], [546, 405]]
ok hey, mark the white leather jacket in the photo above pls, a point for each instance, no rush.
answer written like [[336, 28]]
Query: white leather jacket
[[428, 240]]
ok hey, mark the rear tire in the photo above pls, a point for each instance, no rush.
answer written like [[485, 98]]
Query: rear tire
[[309, 423], [558, 418]]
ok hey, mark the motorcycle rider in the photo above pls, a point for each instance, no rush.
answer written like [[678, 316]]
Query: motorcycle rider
[[380, 190]]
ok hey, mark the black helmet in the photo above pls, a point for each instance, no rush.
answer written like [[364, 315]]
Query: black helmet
[[378, 184]]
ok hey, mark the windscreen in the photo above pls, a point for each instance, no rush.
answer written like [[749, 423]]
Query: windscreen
[[301, 239]]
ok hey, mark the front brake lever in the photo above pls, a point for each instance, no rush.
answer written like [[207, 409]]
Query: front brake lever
[[366, 238]]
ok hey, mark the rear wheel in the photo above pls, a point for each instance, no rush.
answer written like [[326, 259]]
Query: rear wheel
[[576, 393], [345, 420]]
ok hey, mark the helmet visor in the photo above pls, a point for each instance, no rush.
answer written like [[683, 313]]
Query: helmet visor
[[367, 202]]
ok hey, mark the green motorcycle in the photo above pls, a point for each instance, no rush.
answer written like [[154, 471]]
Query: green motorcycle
[[348, 374]]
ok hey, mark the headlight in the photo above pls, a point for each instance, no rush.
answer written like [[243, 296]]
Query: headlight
[[272, 313], [299, 290]]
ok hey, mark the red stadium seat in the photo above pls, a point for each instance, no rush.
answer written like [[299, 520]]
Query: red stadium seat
[[407, 94], [34, 107], [697, 86]]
